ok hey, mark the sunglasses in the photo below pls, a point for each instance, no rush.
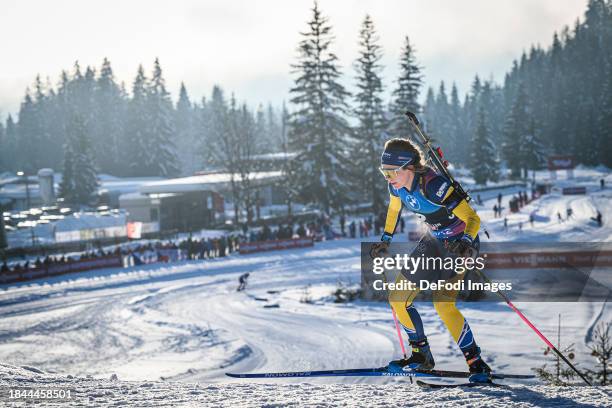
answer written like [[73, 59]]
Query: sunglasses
[[391, 173]]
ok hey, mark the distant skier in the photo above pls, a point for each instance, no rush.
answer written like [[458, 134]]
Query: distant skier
[[242, 282], [569, 212], [559, 217], [506, 224], [453, 232], [598, 219]]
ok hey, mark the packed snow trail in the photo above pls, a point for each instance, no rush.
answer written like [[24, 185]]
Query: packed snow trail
[[115, 392], [187, 322]]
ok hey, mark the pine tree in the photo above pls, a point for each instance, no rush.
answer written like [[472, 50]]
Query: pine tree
[[79, 179], [533, 152], [514, 132], [601, 349], [443, 131], [604, 122], [370, 134], [273, 130], [161, 157], [3, 149], [10, 144], [429, 111], [406, 95], [30, 147], [67, 185], [185, 122], [483, 161], [318, 129], [458, 142], [261, 127], [137, 124], [108, 126]]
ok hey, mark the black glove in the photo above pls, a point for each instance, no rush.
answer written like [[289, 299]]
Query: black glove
[[462, 247], [378, 249]]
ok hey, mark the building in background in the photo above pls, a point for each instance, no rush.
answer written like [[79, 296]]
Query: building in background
[[195, 202]]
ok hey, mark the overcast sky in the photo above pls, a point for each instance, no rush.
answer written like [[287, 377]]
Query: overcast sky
[[247, 46]]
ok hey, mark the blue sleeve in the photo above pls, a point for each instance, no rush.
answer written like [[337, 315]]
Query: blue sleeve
[[392, 191], [437, 188]]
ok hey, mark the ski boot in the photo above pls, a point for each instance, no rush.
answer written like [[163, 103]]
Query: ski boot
[[480, 372], [420, 360]]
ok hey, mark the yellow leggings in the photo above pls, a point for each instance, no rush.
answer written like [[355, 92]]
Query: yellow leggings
[[444, 303]]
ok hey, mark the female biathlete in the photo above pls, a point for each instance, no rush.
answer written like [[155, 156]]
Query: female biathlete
[[453, 231]]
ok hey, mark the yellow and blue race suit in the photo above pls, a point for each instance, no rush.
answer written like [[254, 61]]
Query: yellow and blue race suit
[[449, 217]]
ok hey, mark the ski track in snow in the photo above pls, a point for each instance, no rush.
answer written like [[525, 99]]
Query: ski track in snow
[[184, 323], [115, 392]]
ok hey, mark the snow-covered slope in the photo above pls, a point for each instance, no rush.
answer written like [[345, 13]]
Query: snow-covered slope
[[115, 392], [187, 322], [183, 323]]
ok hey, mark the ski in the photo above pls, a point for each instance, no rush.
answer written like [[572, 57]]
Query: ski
[[426, 384], [373, 372]]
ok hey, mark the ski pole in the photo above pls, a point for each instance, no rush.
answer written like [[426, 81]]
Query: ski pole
[[535, 329], [399, 333]]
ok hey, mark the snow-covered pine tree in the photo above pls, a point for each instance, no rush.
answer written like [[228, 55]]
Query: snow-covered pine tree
[[443, 132], [29, 148], [470, 109], [273, 129], [483, 163], [45, 123], [108, 125], [137, 127], [3, 149], [161, 160], [533, 152], [429, 112], [10, 144], [603, 121], [185, 125], [601, 349], [406, 95], [318, 128], [515, 129], [261, 127], [202, 133], [369, 135], [79, 179], [66, 187], [458, 142]]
